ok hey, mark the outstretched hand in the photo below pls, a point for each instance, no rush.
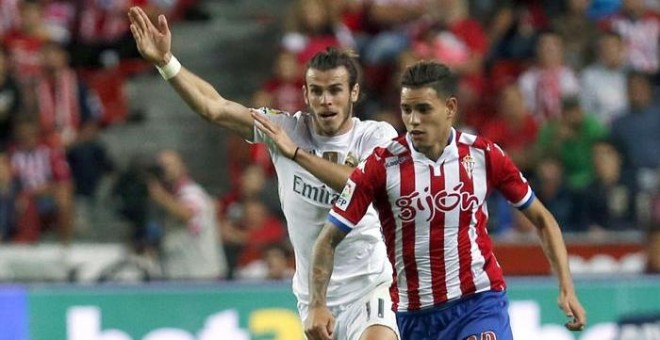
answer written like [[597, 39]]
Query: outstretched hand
[[153, 43], [571, 306], [275, 133]]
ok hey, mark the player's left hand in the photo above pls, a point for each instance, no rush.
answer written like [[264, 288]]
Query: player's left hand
[[570, 305], [275, 133]]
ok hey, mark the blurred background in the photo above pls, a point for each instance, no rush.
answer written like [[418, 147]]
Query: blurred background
[[93, 143]]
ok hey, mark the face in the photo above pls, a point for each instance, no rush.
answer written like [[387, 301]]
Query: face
[[287, 67], [639, 92], [54, 57], [611, 51], [330, 99], [428, 118], [550, 51], [511, 103], [172, 165], [606, 160]]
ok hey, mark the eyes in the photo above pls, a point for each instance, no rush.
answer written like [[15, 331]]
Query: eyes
[[420, 108], [333, 90]]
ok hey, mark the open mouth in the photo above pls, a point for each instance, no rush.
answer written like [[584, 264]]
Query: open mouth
[[327, 115]]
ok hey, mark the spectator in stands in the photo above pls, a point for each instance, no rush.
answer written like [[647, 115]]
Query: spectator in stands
[[640, 29], [550, 187], [606, 102], [283, 90], [453, 38], [10, 99], [89, 160], [247, 228], [315, 27], [513, 129], [190, 248], [65, 103], [578, 32], [609, 201], [549, 79], [571, 138], [8, 15], [392, 20], [24, 44], [45, 179], [512, 32], [636, 132], [275, 264]]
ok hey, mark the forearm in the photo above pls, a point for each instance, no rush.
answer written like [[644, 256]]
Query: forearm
[[555, 250], [332, 174], [203, 98], [552, 242], [322, 264], [323, 261]]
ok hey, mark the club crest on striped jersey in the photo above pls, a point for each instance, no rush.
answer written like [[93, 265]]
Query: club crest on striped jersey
[[346, 195], [468, 164]]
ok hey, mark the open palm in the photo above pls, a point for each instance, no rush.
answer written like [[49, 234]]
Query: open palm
[[153, 43]]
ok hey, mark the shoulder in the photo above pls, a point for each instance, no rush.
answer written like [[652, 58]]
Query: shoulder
[[377, 132], [396, 147], [473, 140]]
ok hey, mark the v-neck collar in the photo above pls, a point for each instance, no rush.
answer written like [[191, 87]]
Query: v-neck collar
[[450, 151]]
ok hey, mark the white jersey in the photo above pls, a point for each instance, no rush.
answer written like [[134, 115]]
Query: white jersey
[[361, 262]]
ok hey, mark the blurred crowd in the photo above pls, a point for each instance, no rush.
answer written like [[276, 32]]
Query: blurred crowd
[[569, 89]]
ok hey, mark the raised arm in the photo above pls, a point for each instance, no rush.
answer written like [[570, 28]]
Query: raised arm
[[555, 250], [154, 44], [320, 322]]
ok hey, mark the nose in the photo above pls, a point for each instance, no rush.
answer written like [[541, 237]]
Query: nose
[[414, 118], [325, 99]]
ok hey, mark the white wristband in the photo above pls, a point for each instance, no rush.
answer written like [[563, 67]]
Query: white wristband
[[171, 69]]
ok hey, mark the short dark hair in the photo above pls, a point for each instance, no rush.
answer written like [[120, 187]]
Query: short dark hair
[[332, 58], [430, 74]]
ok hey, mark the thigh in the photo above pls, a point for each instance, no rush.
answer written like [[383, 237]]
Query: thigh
[[488, 320], [375, 310]]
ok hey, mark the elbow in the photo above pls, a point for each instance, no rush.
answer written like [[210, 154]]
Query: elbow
[[215, 111]]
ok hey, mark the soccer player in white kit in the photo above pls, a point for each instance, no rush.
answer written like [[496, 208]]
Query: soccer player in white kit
[[314, 154]]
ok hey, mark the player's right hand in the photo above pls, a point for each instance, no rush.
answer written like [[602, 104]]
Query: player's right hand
[[153, 43], [319, 324]]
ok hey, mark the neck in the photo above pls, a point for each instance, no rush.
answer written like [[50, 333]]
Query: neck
[[434, 151], [343, 128]]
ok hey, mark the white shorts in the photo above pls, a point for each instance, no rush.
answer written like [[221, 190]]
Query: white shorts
[[351, 320]]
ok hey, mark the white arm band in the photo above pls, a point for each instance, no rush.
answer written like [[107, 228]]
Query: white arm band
[[171, 69]]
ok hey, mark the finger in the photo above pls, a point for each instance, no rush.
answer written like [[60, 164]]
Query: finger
[[144, 20], [136, 33], [330, 328], [262, 121], [162, 25]]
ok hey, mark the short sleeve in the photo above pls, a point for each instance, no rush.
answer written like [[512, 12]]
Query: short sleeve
[[276, 116], [359, 192], [506, 177]]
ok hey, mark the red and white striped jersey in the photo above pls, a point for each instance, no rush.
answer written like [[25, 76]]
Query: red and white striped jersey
[[434, 215]]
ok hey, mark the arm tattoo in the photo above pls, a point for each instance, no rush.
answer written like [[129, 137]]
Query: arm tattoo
[[323, 260]]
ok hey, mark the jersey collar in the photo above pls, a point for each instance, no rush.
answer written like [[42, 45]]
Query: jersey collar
[[450, 152]]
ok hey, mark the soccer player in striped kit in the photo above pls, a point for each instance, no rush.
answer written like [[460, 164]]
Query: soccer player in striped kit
[[429, 187]]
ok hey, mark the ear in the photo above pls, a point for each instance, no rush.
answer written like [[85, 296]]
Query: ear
[[355, 93], [304, 93], [452, 107]]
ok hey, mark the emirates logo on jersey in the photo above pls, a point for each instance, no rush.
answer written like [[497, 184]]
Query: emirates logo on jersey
[[468, 164], [440, 202]]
